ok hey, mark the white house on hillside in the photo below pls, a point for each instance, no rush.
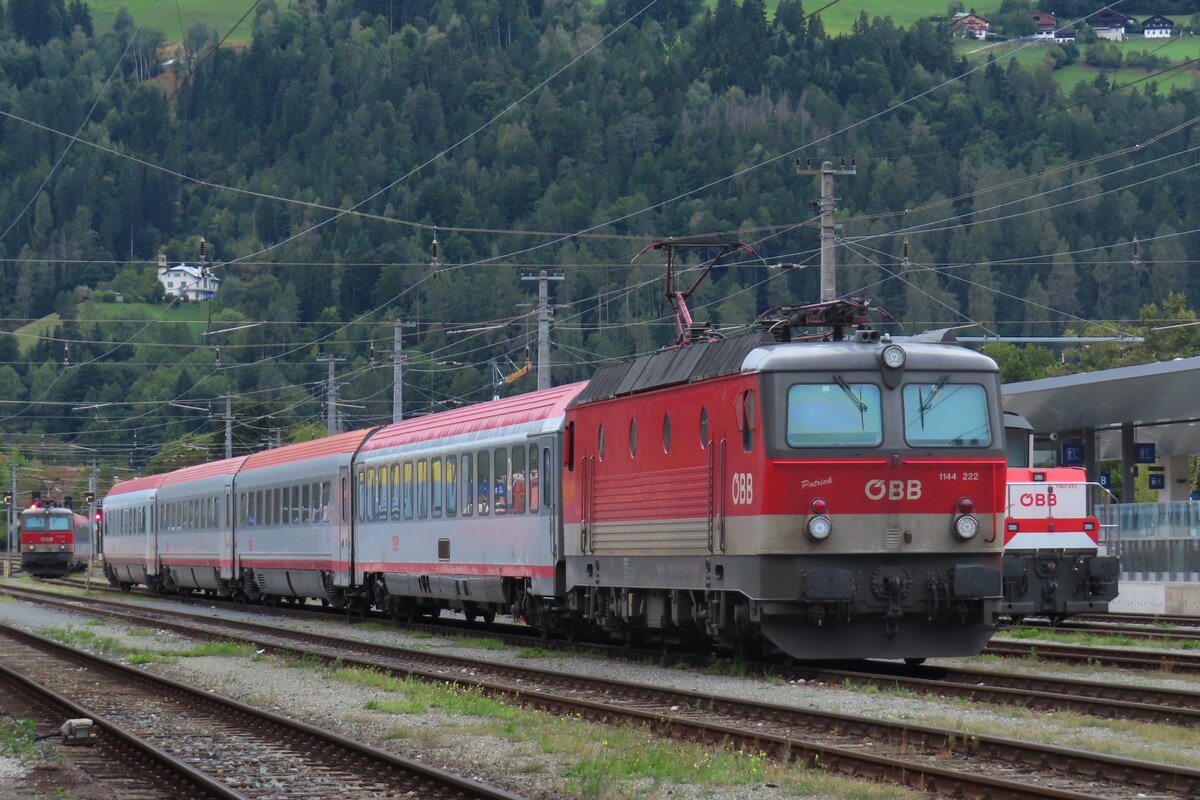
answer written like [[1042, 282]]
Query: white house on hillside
[[190, 281], [1158, 27]]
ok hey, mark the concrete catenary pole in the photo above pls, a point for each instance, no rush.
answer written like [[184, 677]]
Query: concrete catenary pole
[[545, 314], [827, 204]]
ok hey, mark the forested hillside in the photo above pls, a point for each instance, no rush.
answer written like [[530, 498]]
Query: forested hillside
[[322, 159]]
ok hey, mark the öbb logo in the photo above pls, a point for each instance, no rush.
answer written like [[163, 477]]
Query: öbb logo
[[893, 490], [1032, 500]]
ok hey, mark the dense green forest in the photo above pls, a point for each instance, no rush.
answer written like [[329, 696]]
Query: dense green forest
[[321, 160]]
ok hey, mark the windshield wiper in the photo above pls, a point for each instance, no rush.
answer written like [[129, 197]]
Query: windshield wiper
[[858, 403], [927, 403]]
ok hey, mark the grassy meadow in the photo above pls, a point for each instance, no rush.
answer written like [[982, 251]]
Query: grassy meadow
[[195, 315], [224, 14], [173, 17]]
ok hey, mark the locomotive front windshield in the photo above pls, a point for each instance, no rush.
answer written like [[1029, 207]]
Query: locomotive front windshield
[[835, 414], [842, 414], [946, 415], [38, 522]]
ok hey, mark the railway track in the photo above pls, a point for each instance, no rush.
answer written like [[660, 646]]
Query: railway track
[[934, 759], [126, 765], [1115, 700], [244, 751]]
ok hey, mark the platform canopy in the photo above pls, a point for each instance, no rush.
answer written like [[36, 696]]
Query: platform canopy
[[1161, 401]]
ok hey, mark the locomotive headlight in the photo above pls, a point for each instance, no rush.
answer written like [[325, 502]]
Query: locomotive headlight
[[819, 528], [966, 527], [893, 356]]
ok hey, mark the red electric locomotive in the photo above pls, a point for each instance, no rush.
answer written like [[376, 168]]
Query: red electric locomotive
[[836, 497], [54, 541]]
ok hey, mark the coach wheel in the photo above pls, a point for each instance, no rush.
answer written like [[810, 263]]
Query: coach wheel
[[435, 612], [914, 662], [489, 617], [126, 587], [1056, 620], [470, 615]]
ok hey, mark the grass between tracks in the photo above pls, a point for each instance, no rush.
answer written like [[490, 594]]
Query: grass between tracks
[[600, 761], [1097, 640], [17, 736], [116, 646]]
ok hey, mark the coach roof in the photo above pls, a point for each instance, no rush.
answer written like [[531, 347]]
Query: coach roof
[[214, 469], [338, 444], [520, 409], [137, 485]]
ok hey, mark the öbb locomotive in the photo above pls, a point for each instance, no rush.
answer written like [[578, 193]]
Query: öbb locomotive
[[54, 541], [828, 494], [1054, 564]]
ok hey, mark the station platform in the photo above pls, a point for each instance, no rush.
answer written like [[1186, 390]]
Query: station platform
[[1157, 597]]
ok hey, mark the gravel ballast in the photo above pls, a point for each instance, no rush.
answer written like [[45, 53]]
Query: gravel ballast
[[485, 751]]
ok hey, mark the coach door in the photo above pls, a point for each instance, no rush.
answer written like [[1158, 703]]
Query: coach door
[[544, 490], [226, 527], [343, 539]]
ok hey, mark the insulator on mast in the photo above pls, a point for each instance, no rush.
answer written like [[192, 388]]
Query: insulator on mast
[[203, 250], [1137, 249]]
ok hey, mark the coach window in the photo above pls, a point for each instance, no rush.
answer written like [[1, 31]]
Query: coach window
[[394, 490], [306, 504], [703, 426], [276, 504], [383, 493], [362, 495], [422, 489], [666, 433], [517, 495], [259, 507], [372, 494], [547, 490], [600, 443], [500, 485], [483, 487], [408, 490], [632, 438], [468, 486], [435, 487], [451, 485], [533, 479]]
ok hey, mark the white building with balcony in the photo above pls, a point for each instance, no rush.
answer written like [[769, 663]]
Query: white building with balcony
[[189, 281]]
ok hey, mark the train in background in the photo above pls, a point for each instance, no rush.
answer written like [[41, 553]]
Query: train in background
[[811, 488], [1054, 562], [54, 540]]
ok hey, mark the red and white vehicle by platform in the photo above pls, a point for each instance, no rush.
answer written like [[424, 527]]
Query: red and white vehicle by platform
[[1054, 564]]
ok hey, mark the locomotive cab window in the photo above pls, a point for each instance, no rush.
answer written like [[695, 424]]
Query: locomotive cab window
[[945, 414], [835, 414], [703, 426]]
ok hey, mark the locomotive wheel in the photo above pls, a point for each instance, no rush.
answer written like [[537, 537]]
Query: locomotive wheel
[[914, 662]]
